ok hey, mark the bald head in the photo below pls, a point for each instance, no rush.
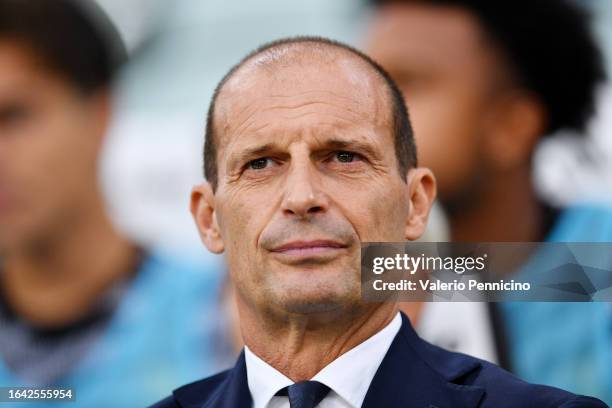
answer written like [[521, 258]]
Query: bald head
[[282, 70]]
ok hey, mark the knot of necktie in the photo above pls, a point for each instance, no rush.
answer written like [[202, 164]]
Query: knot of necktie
[[305, 394]]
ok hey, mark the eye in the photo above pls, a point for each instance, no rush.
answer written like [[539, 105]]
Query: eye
[[345, 157], [259, 164], [13, 114]]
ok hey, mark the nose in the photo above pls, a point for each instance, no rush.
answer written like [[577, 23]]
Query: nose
[[303, 194]]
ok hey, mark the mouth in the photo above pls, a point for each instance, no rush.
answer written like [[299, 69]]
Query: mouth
[[309, 249]]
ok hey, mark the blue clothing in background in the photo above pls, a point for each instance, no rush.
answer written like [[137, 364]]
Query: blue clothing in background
[[162, 335], [566, 345]]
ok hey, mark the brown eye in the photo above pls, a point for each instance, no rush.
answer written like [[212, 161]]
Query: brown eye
[[259, 164], [13, 114], [345, 157]]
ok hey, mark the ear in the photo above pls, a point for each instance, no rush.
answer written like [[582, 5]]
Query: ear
[[203, 211], [421, 189], [516, 124], [101, 106]]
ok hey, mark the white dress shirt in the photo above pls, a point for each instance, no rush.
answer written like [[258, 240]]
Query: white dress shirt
[[349, 376]]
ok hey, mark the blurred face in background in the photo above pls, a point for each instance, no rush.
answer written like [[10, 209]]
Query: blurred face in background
[[50, 136], [450, 77]]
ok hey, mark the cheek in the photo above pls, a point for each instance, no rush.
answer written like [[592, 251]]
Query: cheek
[[68, 160], [447, 128], [48, 166], [378, 214], [52, 158], [242, 217], [246, 210]]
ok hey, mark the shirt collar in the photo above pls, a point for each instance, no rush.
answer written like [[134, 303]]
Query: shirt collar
[[265, 381]]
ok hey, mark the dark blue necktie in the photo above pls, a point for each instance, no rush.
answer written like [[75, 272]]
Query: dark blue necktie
[[305, 394]]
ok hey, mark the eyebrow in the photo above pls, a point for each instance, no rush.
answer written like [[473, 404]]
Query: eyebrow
[[256, 151], [250, 152], [332, 144], [339, 144]]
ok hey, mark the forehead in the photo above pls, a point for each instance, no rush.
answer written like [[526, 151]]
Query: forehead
[[455, 41], [301, 94], [15, 62], [21, 70]]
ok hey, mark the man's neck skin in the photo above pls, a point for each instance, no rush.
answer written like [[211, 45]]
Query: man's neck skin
[[57, 281], [507, 211], [298, 350]]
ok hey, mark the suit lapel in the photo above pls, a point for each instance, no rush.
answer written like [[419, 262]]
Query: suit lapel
[[407, 378], [234, 391], [412, 374]]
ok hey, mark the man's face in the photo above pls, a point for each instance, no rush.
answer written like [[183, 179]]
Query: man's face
[[307, 170], [439, 58], [48, 149]]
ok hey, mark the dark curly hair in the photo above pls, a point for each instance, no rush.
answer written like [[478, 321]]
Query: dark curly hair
[[550, 48]]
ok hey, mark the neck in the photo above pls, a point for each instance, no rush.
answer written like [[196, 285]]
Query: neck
[[55, 280], [507, 210], [301, 346]]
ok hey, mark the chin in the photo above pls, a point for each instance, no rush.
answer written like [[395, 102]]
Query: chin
[[312, 290], [306, 308], [318, 298]]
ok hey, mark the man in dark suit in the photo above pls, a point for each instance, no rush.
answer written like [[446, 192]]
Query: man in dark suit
[[308, 153]]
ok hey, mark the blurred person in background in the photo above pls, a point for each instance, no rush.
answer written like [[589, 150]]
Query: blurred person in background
[[485, 82], [81, 306]]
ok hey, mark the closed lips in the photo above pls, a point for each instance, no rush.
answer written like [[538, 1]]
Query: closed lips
[[299, 246]]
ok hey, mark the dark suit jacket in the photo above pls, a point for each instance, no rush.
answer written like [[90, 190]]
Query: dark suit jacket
[[413, 373]]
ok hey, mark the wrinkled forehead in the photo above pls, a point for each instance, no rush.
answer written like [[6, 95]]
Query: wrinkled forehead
[[330, 86]]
